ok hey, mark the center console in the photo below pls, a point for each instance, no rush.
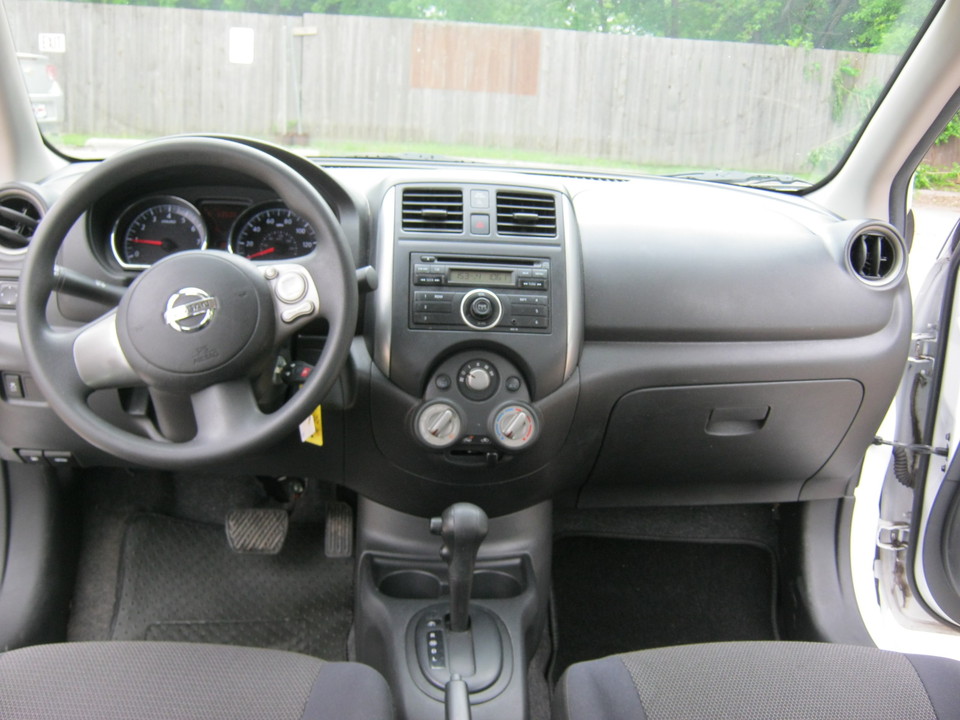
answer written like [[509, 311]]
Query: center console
[[407, 610], [476, 332]]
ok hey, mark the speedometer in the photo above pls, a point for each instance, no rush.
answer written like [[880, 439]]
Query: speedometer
[[155, 227], [272, 232]]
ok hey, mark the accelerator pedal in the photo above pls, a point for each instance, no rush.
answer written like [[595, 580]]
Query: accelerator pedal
[[338, 531], [257, 531]]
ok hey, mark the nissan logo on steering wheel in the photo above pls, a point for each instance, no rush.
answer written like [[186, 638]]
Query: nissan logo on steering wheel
[[190, 309]]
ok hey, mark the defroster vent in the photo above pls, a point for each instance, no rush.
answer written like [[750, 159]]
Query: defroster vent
[[522, 213], [432, 210]]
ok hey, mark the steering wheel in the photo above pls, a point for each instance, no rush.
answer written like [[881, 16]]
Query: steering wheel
[[197, 325]]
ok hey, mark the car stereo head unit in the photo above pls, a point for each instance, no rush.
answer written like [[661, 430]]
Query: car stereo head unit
[[479, 293]]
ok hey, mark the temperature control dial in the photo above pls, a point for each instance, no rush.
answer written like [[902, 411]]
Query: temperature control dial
[[515, 426], [438, 425]]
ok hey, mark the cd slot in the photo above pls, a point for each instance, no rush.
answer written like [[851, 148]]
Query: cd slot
[[481, 260]]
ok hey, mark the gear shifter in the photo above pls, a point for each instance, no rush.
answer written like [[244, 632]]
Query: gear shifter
[[463, 526]]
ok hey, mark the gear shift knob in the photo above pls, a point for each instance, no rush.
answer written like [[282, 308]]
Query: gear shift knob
[[462, 527]]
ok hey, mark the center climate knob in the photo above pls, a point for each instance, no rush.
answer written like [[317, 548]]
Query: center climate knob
[[478, 379], [481, 309]]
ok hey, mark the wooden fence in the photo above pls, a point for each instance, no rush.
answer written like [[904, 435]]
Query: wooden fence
[[132, 72]]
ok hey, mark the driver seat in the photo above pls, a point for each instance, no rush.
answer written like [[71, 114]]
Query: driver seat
[[164, 680]]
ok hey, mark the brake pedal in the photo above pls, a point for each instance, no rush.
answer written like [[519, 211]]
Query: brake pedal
[[258, 531], [338, 531]]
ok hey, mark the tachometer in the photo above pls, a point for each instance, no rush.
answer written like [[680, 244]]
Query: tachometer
[[272, 232], [155, 227]]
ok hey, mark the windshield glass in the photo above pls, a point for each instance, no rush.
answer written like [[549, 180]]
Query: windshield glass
[[759, 92]]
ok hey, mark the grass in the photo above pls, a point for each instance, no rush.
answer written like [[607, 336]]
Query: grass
[[87, 147]]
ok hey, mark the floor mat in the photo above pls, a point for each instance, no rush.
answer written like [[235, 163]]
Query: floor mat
[[180, 581], [614, 595]]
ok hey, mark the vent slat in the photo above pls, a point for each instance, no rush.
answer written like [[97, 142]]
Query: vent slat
[[19, 217], [521, 213], [874, 257], [12, 239], [430, 210]]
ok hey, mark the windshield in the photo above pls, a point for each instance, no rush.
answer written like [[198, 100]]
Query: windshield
[[761, 92]]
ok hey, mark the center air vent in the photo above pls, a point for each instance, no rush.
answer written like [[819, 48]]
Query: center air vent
[[520, 213], [876, 256], [433, 210], [20, 213]]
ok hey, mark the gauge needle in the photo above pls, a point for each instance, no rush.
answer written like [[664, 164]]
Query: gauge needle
[[261, 253], [144, 241]]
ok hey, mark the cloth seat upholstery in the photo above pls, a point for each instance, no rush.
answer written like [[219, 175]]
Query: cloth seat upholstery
[[769, 680], [164, 680]]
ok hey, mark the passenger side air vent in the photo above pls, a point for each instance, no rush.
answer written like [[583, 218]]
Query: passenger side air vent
[[520, 213], [20, 213], [876, 255], [432, 210]]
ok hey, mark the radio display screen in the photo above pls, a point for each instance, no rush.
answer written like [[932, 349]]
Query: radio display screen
[[470, 276]]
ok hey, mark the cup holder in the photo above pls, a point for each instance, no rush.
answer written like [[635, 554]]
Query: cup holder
[[495, 585], [411, 585], [489, 583]]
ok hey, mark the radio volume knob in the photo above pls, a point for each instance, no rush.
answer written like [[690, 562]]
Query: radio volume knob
[[481, 309]]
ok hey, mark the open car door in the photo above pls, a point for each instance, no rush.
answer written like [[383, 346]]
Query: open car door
[[918, 539]]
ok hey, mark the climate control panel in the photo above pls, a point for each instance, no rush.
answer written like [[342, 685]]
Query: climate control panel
[[477, 402]]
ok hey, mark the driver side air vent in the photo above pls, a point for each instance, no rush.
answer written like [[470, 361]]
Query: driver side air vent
[[432, 210], [520, 213], [20, 213], [876, 256]]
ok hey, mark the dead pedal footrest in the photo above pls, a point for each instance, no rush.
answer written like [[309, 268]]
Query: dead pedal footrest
[[260, 531], [338, 531]]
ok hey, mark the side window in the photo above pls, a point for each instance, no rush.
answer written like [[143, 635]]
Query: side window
[[936, 201]]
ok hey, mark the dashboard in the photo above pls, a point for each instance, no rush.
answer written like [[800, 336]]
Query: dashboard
[[630, 341]]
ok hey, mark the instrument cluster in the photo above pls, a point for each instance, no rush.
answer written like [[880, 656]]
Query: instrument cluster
[[156, 226]]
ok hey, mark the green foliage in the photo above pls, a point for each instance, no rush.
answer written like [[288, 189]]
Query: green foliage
[[951, 131], [928, 177], [862, 25]]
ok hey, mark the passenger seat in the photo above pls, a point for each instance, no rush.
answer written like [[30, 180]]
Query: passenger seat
[[754, 680]]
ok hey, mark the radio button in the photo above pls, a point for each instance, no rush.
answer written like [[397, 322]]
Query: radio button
[[422, 296], [529, 309], [524, 321], [527, 299], [432, 319], [429, 280], [434, 307]]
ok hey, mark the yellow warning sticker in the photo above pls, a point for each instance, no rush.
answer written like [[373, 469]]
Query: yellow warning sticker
[[311, 429]]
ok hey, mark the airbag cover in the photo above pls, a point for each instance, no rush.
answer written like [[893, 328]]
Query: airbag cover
[[194, 319]]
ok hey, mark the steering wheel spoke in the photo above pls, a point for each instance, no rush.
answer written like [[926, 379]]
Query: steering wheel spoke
[[225, 411], [98, 358]]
